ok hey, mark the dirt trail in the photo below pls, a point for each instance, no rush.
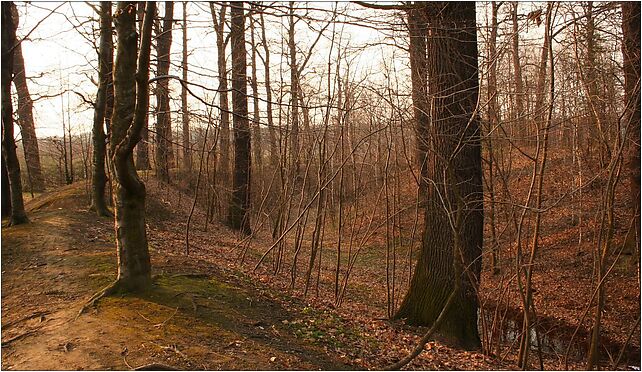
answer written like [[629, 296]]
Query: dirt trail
[[193, 318]]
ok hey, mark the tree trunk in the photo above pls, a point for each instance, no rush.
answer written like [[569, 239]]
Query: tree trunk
[[274, 151], [187, 156], [294, 99], [99, 178], [134, 267], [219, 25], [142, 149], [454, 184], [18, 215], [25, 117], [631, 62], [163, 117], [6, 193], [517, 70], [256, 118], [239, 217]]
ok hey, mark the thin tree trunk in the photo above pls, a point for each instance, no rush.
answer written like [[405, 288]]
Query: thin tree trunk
[[517, 70], [99, 178], [274, 151], [18, 215], [142, 149], [163, 116], [294, 99], [187, 156], [631, 62], [239, 217], [256, 117], [219, 25], [25, 117]]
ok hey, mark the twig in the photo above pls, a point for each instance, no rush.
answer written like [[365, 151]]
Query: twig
[[160, 325], [155, 367]]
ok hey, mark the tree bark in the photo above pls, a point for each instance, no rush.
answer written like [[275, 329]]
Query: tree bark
[[99, 178], [131, 98], [517, 70], [219, 25], [25, 117], [239, 217], [6, 193], [294, 99], [274, 151], [631, 62], [142, 149], [454, 179], [256, 117], [18, 215], [187, 156], [163, 117]]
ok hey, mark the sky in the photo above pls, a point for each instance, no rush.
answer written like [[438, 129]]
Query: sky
[[60, 56]]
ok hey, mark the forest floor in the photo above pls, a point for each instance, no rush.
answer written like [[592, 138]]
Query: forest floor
[[203, 312]]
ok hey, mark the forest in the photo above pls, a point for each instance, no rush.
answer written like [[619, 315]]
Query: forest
[[320, 185]]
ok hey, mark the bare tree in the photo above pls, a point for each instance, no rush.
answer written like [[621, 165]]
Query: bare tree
[[239, 217], [9, 42], [163, 115], [25, 117], [105, 52]]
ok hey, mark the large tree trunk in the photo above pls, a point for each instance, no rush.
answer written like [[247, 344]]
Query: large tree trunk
[[163, 117], [134, 267], [25, 117], [99, 178], [454, 207], [18, 215], [239, 217], [187, 156]]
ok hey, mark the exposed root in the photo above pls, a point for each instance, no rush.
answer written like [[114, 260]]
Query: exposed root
[[18, 337], [107, 291]]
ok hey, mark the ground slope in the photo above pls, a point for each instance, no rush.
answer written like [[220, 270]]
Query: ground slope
[[196, 317]]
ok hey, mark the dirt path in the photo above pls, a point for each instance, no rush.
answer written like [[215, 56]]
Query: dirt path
[[188, 320]]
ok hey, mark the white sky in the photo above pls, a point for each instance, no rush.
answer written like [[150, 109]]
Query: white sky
[[57, 55]]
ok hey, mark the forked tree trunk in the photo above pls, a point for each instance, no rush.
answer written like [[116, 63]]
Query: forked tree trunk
[[454, 185], [163, 117], [18, 215], [134, 267], [25, 117], [99, 178], [239, 217]]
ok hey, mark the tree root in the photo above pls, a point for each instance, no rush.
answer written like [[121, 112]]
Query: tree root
[[18, 337], [107, 291]]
